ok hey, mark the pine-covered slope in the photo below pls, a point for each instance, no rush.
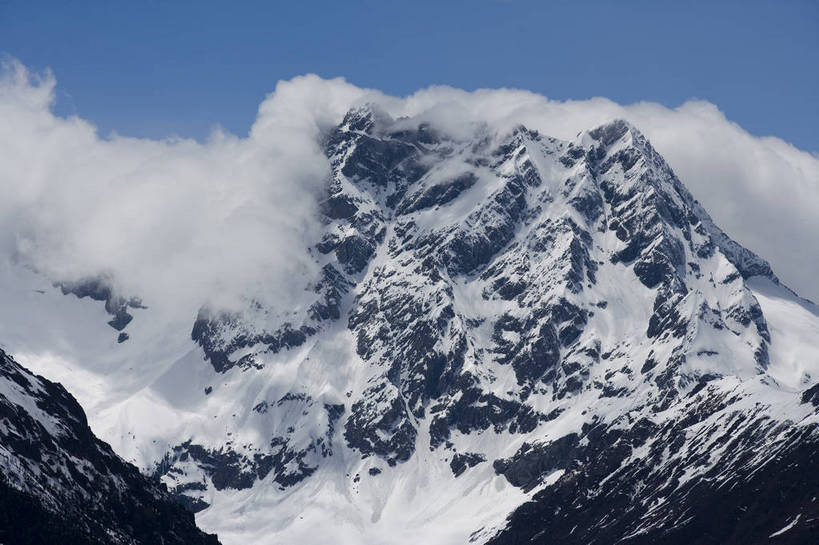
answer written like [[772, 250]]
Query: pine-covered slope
[[514, 339], [60, 484]]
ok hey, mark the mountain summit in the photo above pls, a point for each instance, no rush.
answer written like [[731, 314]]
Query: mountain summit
[[514, 339], [561, 318]]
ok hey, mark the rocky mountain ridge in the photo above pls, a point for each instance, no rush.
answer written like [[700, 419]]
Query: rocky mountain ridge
[[513, 339]]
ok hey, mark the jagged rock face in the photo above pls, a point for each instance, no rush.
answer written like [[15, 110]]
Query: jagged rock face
[[288, 457], [562, 312], [117, 306], [60, 484], [221, 334]]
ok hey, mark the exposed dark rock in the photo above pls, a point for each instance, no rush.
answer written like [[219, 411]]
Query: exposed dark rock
[[436, 195], [531, 462], [284, 460], [100, 289], [354, 253], [208, 328], [461, 462], [379, 424], [811, 395], [475, 410], [339, 207]]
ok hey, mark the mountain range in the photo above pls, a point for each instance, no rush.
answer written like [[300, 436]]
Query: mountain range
[[512, 339]]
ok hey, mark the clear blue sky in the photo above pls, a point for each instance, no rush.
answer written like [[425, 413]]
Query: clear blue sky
[[160, 68]]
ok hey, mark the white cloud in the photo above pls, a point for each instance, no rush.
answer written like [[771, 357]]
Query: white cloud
[[178, 222], [174, 221]]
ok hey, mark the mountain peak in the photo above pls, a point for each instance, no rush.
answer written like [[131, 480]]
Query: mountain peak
[[367, 118], [610, 132], [504, 321]]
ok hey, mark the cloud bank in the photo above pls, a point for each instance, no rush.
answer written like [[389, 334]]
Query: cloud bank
[[181, 223], [175, 222]]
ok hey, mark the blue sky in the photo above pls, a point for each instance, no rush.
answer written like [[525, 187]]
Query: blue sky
[[161, 68]]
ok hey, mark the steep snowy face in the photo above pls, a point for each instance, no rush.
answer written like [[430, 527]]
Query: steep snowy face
[[562, 316], [512, 337], [60, 483], [505, 279]]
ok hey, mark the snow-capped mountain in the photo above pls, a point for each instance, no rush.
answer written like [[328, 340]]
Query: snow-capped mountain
[[514, 339], [60, 484]]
